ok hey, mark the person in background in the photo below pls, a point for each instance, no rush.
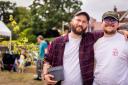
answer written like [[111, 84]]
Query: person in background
[[42, 51], [15, 65], [21, 65], [111, 54]]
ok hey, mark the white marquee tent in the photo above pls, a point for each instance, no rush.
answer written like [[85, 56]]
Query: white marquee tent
[[4, 31]]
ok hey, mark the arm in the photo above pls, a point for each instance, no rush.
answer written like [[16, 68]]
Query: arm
[[50, 53], [97, 35], [46, 76], [47, 64], [45, 47], [125, 33], [46, 50]]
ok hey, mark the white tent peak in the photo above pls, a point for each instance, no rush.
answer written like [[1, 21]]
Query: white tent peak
[[4, 30]]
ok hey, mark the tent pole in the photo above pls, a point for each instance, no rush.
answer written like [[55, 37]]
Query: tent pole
[[10, 43]]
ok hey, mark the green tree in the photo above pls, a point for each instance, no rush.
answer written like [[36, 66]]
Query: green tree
[[22, 15], [48, 14], [22, 19], [6, 8], [27, 34]]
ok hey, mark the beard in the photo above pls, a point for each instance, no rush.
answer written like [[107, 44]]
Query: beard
[[79, 30], [110, 32], [108, 29]]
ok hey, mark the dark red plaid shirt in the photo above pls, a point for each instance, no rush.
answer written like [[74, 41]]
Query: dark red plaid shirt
[[86, 54]]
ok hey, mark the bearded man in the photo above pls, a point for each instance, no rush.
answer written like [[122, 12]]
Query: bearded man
[[74, 52], [111, 54]]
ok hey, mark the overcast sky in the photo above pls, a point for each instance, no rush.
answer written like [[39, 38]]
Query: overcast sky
[[94, 7], [97, 7]]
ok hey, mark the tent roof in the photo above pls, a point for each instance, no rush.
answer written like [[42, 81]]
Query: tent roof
[[4, 30]]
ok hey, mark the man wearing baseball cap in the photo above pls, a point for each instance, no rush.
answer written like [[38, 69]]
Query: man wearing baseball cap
[[111, 54], [74, 52]]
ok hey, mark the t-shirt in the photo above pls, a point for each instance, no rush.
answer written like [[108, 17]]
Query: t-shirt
[[111, 58], [72, 73], [43, 45]]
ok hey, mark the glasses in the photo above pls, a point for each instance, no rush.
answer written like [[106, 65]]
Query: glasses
[[108, 20]]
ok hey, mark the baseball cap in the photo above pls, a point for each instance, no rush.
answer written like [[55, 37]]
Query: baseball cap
[[110, 14], [82, 13]]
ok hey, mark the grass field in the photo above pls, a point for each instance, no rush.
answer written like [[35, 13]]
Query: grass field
[[13, 78]]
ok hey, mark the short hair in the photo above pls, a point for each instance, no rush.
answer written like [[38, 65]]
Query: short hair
[[40, 37]]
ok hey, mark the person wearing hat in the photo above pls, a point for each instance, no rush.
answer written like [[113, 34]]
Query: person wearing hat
[[74, 52], [111, 54]]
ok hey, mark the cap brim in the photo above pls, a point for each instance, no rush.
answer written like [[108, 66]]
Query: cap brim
[[111, 17]]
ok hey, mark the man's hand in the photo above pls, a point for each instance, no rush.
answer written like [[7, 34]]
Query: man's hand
[[49, 79], [125, 33]]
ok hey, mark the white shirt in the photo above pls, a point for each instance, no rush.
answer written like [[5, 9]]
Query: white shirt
[[71, 63], [111, 57]]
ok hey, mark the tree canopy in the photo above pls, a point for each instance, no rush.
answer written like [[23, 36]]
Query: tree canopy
[[41, 17], [48, 14], [6, 8]]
